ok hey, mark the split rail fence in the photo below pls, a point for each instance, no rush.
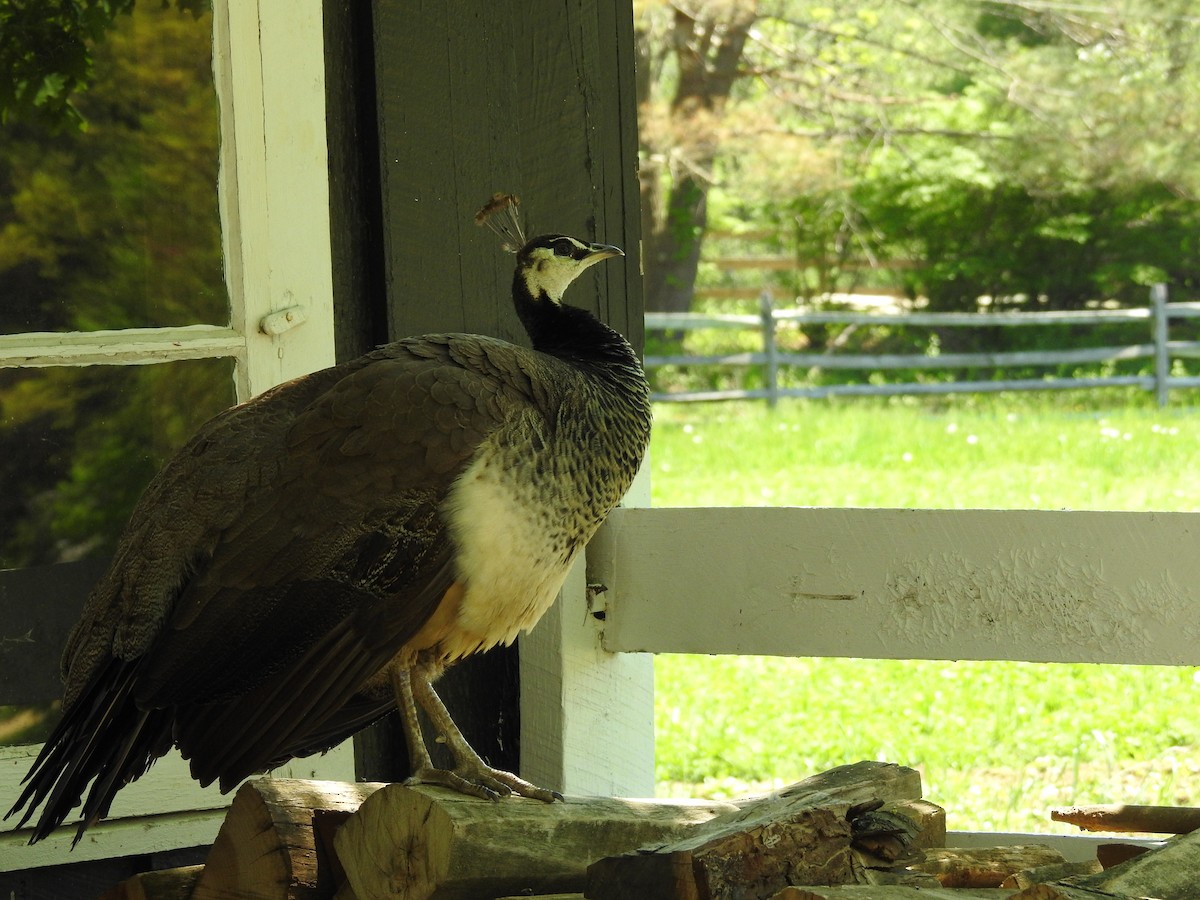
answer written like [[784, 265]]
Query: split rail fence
[[1159, 348]]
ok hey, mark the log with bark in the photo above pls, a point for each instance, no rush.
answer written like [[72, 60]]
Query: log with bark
[[985, 867], [1170, 872], [430, 842], [899, 892], [1130, 818], [860, 831], [267, 848], [166, 884], [1053, 872], [802, 835]]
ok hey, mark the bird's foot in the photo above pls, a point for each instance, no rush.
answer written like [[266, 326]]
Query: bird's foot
[[482, 781]]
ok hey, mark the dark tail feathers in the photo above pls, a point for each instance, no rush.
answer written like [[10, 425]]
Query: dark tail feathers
[[102, 736]]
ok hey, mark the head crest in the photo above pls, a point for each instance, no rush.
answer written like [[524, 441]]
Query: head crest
[[502, 216]]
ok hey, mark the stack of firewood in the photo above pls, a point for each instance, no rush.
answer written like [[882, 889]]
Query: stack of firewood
[[859, 831]]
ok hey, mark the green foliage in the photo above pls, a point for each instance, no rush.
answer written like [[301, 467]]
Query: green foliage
[[46, 54], [112, 226], [1037, 153], [1060, 250], [998, 22], [117, 226], [79, 444]]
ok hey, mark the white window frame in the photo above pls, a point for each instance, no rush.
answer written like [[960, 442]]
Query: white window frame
[[269, 70]]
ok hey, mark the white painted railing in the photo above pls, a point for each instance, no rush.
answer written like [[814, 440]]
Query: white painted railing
[[1042, 586]]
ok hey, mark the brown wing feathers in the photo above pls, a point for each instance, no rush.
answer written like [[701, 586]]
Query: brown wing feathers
[[310, 517]]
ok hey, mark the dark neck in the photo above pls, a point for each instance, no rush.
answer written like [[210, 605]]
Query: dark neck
[[568, 332]]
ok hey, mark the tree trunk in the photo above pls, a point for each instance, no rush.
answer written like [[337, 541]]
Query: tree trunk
[[675, 179], [672, 240]]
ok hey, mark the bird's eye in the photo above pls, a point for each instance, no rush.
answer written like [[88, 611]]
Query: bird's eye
[[563, 247]]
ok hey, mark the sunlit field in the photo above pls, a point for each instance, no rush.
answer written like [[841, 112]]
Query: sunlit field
[[998, 743]]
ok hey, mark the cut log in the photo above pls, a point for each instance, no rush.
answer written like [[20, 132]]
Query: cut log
[[929, 818], [799, 835], [891, 835], [430, 842], [1170, 872], [1127, 817], [1051, 873], [984, 867], [1111, 855], [167, 884], [892, 892], [266, 848], [905, 877], [1061, 891]]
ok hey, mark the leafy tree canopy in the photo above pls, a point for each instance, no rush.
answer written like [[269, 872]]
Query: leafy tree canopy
[[112, 226], [925, 130], [46, 51]]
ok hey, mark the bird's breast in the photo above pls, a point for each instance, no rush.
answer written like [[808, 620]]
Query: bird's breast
[[516, 540]]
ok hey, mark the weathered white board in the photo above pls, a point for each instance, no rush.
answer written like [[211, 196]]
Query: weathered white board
[[127, 346], [163, 810], [269, 67], [587, 715], [1043, 586]]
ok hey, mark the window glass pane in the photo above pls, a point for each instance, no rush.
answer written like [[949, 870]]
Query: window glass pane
[[116, 225], [77, 446], [27, 724]]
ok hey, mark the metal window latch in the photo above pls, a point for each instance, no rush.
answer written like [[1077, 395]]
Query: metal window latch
[[282, 320]]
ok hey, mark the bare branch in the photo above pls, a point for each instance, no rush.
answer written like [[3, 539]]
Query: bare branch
[[831, 134], [871, 42]]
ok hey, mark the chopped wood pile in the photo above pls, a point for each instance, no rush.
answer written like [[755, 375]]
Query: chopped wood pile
[[857, 832]]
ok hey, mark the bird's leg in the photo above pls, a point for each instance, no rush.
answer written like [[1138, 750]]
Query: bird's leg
[[470, 775], [419, 759], [423, 769]]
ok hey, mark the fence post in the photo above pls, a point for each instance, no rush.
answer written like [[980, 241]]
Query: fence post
[[1159, 325], [766, 309]]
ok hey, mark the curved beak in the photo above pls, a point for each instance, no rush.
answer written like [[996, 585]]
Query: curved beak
[[597, 252]]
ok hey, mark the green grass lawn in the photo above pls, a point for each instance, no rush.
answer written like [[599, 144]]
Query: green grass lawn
[[998, 743]]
